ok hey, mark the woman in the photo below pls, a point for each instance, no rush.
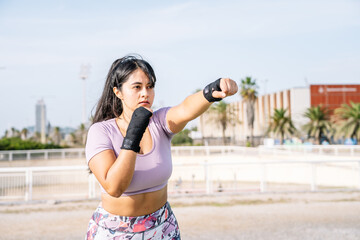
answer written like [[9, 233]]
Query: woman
[[128, 151]]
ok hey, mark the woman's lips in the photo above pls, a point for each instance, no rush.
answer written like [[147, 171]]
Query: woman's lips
[[144, 103]]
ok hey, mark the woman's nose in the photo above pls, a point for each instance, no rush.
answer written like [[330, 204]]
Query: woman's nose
[[144, 92]]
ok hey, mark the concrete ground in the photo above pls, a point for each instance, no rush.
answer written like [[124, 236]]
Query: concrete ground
[[254, 216]]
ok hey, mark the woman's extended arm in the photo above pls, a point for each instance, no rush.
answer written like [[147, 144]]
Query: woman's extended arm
[[196, 104]]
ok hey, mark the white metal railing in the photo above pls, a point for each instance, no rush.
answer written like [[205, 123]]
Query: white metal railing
[[61, 153], [57, 181], [196, 177], [337, 150]]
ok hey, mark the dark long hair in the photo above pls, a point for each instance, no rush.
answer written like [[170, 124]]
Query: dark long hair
[[109, 106]]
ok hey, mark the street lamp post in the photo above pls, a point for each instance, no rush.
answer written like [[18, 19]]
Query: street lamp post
[[84, 74]]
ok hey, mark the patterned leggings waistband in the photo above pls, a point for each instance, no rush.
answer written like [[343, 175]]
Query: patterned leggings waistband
[[131, 224]]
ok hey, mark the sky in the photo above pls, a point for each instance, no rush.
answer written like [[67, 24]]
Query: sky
[[282, 44]]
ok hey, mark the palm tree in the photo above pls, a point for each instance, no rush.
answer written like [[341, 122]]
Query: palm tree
[[72, 139], [37, 137], [57, 136], [281, 124], [223, 114], [319, 124], [24, 132], [82, 132], [349, 116], [249, 95], [15, 132]]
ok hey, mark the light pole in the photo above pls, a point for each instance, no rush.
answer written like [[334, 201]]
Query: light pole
[[84, 74]]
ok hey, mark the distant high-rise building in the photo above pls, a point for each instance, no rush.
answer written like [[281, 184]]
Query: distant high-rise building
[[40, 120]]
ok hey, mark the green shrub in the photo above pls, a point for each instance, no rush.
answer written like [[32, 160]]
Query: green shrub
[[182, 138], [16, 143]]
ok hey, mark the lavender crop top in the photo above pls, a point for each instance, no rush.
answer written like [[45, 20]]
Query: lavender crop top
[[153, 169]]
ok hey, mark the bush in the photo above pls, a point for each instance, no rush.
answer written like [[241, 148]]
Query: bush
[[16, 143], [182, 138]]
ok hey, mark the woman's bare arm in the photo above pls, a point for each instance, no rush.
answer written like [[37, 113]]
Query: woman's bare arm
[[114, 174], [196, 104]]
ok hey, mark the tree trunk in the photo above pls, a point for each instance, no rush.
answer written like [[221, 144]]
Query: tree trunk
[[252, 136], [250, 113]]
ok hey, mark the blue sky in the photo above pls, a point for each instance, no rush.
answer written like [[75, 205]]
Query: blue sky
[[282, 44]]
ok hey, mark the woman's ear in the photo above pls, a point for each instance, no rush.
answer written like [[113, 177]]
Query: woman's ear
[[117, 92]]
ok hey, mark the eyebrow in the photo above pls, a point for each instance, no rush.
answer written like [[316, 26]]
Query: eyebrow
[[136, 83]]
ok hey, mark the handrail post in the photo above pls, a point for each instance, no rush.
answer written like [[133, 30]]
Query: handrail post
[[313, 177], [207, 178], [207, 149], [28, 184], [263, 179]]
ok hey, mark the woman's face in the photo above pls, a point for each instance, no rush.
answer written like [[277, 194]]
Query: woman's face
[[137, 91]]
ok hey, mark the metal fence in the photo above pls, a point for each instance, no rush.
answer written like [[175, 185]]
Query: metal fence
[[37, 183], [191, 176], [72, 153], [62, 153], [333, 150]]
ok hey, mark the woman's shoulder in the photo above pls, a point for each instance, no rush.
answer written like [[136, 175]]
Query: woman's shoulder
[[103, 126], [161, 112], [159, 118]]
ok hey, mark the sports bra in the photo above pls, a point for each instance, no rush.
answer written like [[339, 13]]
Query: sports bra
[[153, 169]]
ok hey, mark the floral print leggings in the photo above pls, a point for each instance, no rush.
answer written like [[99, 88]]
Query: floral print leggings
[[161, 224]]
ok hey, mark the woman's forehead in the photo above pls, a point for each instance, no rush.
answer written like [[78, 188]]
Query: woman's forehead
[[138, 76]]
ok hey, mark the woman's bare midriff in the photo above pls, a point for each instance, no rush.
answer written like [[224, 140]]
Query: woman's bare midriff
[[135, 205]]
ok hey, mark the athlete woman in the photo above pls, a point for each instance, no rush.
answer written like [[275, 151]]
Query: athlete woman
[[128, 150]]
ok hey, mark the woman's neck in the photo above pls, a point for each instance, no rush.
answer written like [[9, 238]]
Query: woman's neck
[[126, 116]]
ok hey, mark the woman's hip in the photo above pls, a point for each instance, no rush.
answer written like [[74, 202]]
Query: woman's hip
[[160, 224]]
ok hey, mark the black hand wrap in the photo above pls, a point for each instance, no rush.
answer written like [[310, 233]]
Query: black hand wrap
[[137, 126], [209, 89]]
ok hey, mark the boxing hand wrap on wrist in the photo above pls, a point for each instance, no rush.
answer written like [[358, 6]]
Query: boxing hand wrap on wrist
[[209, 89], [137, 126]]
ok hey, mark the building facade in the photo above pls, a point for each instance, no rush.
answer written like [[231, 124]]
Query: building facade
[[295, 100], [333, 96], [40, 119]]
